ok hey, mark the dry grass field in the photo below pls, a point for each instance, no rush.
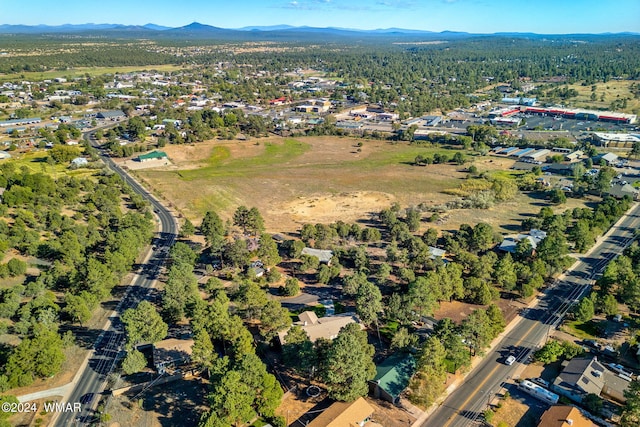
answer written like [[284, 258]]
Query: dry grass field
[[319, 179], [612, 90]]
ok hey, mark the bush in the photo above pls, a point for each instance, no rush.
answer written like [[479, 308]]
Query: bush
[[291, 287], [16, 267], [134, 362]]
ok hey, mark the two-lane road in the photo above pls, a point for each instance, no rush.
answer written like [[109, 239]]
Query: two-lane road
[[465, 405], [108, 347]]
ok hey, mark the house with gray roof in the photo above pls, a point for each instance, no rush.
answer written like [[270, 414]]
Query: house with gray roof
[[324, 256], [582, 376], [111, 115]]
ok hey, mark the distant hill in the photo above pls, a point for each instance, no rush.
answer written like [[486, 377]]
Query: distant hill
[[197, 30]]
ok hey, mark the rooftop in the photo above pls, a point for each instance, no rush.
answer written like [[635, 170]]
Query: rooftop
[[394, 373], [344, 414], [325, 327], [564, 416]]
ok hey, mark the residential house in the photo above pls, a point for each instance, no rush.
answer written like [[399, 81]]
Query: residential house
[[344, 414], [324, 256], [586, 375], [619, 191], [171, 353], [392, 377], [324, 327], [564, 416], [534, 237]]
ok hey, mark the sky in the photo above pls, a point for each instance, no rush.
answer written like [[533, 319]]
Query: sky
[[476, 16]]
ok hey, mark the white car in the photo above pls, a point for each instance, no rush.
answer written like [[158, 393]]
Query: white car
[[510, 360]]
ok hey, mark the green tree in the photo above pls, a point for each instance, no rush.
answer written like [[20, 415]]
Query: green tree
[[609, 305], [504, 188], [403, 340], [585, 310], [428, 382], [203, 353], [16, 267], [291, 287], [214, 231], [368, 303], [631, 413], [134, 362], [550, 352], [582, 235], [350, 362], [249, 220], [298, 351], [309, 263], [273, 318], [504, 273], [143, 324], [187, 229], [593, 403], [252, 299], [268, 250], [482, 237], [557, 196], [77, 308]]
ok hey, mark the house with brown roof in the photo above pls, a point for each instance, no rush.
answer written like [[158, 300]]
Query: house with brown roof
[[324, 327], [344, 414], [564, 416]]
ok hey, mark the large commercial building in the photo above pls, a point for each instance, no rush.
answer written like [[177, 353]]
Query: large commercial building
[[578, 114]]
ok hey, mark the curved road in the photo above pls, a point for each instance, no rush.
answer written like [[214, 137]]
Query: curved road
[[465, 405], [109, 345]]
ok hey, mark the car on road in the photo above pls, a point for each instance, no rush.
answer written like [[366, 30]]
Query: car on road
[[510, 360]]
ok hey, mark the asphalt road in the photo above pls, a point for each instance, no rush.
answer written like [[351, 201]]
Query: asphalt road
[[108, 348], [465, 405]]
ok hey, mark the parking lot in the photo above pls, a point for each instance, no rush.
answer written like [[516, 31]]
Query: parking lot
[[535, 122]]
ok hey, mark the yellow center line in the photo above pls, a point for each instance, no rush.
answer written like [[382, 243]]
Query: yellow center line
[[464, 404]]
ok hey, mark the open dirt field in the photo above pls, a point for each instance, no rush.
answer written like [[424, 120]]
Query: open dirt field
[[318, 179], [613, 90]]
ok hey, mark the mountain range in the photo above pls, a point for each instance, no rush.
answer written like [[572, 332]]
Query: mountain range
[[197, 30]]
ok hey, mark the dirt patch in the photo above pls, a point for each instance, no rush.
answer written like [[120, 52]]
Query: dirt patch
[[149, 164], [297, 408], [177, 403], [34, 418], [345, 206]]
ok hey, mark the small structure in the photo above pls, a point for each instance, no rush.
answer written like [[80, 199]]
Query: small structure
[[4, 155], [435, 253], [154, 155], [170, 353], [111, 115], [392, 377], [324, 256], [564, 416], [79, 162], [344, 414], [325, 327], [609, 158]]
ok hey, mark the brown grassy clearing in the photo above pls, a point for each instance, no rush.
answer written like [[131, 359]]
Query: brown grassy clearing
[[613, 90], [327, 181]]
